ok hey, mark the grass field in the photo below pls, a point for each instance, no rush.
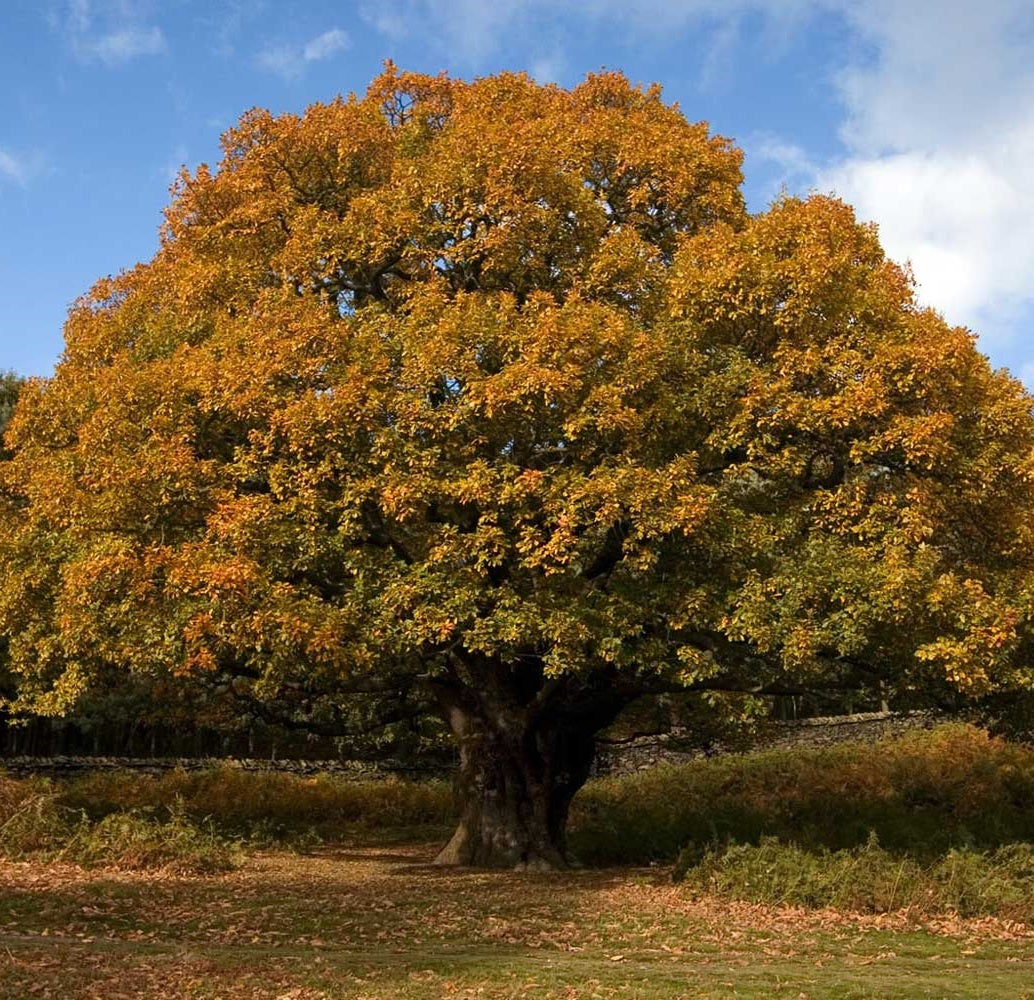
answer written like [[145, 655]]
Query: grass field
[[225, 884], [379, 921]]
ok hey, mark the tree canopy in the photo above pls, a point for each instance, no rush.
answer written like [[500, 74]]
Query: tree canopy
[[492, 396]]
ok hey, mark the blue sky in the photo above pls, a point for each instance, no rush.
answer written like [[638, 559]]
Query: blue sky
[[918, 112]]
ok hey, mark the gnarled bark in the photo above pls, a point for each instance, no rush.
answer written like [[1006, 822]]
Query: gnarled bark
[[519, 771]]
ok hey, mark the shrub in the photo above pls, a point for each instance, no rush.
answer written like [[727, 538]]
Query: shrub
[[268, 805], [139, 840], [35, 823], [924, 793], [868, 879], [31, 819]]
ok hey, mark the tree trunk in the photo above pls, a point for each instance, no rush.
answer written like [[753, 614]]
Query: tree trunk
[[518, 774]]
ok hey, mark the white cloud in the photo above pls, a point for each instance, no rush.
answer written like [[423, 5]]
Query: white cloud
[[118, 47], [290, 61], [11, 168], [22, 167], [325, 45], [225, 23], [960, 216], [794, 165], [548, 68], [939, 135], [170, 170], [111, 32], [79, 15], [946, 72], [473, 31]]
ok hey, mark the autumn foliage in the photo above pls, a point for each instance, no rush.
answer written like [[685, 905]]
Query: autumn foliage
[[492, 397]]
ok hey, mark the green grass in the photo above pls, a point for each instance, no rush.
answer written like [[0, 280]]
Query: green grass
[[374, 923], [174, 908]]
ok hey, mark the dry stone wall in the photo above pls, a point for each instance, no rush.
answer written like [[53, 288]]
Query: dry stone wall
[[626, 757], [354, 770], [677, 747]]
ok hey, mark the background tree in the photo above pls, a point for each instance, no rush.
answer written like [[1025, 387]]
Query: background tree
[[492, 397], [10, 387]]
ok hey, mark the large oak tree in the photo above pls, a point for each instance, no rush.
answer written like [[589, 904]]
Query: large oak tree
[[492, 396]]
